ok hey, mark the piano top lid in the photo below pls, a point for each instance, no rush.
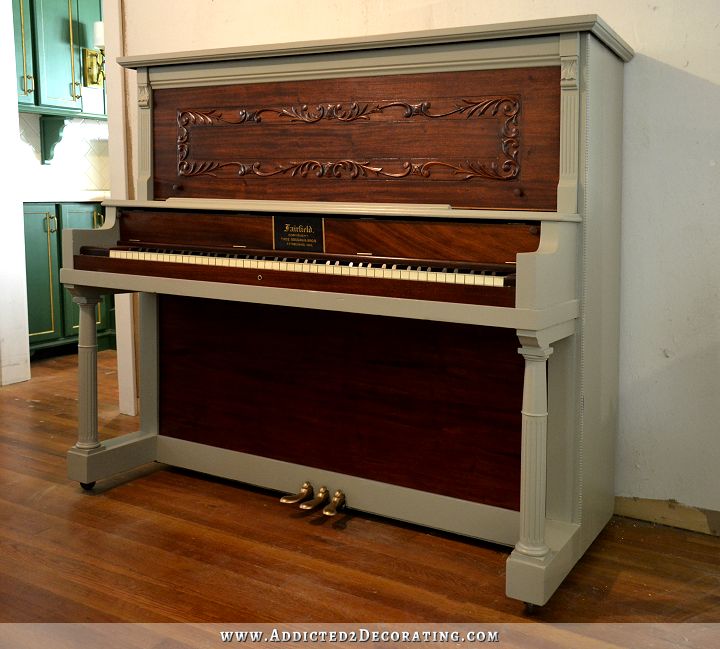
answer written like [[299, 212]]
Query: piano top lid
[[542, 27]]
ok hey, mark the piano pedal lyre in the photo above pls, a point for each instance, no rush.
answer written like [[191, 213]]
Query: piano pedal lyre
[[323, 495], [306, 491], [338, 500]]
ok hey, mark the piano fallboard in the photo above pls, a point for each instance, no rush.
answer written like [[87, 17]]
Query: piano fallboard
[[439, 260]]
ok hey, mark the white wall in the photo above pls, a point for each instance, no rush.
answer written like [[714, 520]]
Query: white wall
[[669, 446], [79, 169], [14, 358]]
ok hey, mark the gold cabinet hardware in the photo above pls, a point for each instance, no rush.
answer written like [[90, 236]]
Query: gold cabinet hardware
[[322, 497], [93, 68], [74, 84], [50, 221], [338, 500], [306, 491]]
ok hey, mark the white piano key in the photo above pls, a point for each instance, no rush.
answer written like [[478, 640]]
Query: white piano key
[[323, 267]]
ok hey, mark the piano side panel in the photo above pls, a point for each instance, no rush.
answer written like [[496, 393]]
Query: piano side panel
[[430, 406], [484, 139]]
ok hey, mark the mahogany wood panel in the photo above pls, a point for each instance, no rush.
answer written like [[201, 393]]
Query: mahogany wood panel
[[492, 243], [485, 139], [457, 293], [180, 547], [486, 242], [192, 229], [430, 406]]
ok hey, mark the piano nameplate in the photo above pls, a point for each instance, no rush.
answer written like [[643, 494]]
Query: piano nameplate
[[300, 233]]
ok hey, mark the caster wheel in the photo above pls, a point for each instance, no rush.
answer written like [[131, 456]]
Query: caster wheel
[[530, 609], [87, 486]]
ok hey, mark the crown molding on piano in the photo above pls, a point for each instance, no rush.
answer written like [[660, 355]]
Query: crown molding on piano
[[585, 23]]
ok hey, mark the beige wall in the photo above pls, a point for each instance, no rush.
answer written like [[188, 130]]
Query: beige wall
[[669, 445]]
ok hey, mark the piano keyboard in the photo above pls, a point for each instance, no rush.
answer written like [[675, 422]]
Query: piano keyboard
[[294, 264]]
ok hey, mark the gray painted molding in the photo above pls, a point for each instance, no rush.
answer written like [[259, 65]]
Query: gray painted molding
[[588, 23]]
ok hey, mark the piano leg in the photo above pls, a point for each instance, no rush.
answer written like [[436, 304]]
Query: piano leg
[[89, 459], [533, 475], [87, 375], [87, 371], [532, 566]]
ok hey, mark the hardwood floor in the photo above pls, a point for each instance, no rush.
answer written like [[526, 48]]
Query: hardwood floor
[[163, 545]]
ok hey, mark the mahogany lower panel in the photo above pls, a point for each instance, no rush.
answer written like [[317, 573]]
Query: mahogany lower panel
[[425, 405]]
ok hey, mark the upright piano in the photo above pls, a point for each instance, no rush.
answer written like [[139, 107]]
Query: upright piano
[[378, 273]]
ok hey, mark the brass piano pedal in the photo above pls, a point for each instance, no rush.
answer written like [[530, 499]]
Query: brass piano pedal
[[338, 500], [323, 495], [306, 491]]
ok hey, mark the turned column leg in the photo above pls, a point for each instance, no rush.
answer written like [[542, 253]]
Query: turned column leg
[[534, 453], [87, 374]]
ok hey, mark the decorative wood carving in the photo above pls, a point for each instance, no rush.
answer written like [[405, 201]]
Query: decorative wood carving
[[143, 96], [479, 138], [505, 167], [568, 69]]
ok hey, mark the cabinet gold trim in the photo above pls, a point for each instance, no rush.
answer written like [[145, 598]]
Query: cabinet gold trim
[[46, 219]]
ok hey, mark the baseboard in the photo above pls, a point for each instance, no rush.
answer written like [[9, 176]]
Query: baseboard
[[669, 512]]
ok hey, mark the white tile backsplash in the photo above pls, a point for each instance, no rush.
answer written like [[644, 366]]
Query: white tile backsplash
[[80, 165]]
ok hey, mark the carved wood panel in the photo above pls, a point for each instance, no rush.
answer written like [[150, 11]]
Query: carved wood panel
[[470, 139]]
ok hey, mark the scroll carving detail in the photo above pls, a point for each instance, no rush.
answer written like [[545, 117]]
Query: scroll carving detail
[[505, 167]]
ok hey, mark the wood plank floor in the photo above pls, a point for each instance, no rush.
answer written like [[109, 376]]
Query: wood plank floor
[[162, 545]]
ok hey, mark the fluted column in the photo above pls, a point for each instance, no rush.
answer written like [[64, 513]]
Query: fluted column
[[534, 453], [87, 374]]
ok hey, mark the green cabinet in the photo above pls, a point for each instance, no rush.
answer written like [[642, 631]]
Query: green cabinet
[[42, 265], [24, 64], [51, 37], [59, 65], [52, 315]]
